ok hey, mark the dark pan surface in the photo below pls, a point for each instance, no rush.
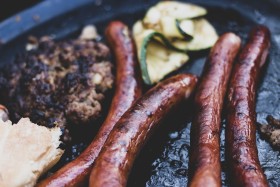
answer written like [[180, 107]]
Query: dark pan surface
[[164, 161]]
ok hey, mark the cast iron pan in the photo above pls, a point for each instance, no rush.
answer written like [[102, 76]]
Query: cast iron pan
[[164, 161]]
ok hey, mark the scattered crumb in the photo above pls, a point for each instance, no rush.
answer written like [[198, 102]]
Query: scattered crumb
[[18, 18], [32, 43], [271, 131], [89, 32], [36, 18]]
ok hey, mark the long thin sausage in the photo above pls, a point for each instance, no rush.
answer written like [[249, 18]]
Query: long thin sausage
[[242, 154], [115, 161], [205, 133], [128, 89]]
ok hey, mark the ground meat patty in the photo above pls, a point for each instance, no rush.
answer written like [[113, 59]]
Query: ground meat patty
[[58, 83]]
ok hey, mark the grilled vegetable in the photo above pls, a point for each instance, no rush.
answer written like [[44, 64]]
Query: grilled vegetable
[[157, 59], [180, 10], [186, 28], [204, 36], [172, 18], [167, 32]]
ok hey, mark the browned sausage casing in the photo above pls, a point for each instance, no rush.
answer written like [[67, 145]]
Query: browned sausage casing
[[128, 89], [205, 133], [116, 158], [241, 150]]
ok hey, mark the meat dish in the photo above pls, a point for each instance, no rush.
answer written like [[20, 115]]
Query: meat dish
[[58, 83]]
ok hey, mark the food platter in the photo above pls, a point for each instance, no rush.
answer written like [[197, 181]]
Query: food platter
[[164, 160]]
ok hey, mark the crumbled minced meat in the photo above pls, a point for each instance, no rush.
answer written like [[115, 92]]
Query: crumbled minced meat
[[271, 131], [58, 83]]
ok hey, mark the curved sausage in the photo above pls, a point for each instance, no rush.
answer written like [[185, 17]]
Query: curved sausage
[[241, 150], [115, 161], [128, 89], [205, 164]]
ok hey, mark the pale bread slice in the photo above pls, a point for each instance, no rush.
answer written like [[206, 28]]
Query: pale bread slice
[[27, 151]]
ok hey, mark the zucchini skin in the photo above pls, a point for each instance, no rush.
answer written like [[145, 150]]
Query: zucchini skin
[[184, 34], [128, 88], [205, 166], [143, 54], [241, 150], [132, 131]]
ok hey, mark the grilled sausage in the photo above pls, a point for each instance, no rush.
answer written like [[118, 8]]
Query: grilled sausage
[[115, 161], [128, 89], [241, 150], [205, 131]]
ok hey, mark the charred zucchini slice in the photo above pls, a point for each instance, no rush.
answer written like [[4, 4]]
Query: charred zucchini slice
[[168, 30], [157, 59], [186, 28], [180, 10], [172, 18], [204, 36]]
